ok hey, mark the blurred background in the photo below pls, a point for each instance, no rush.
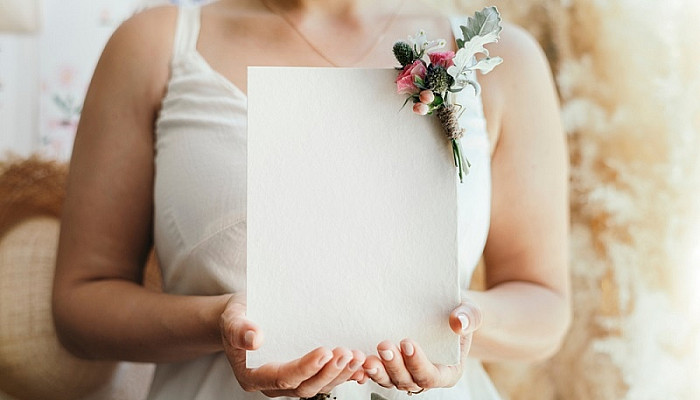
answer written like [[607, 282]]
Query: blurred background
[[628, 75]]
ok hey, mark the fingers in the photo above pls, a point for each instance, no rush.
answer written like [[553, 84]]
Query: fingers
[[424, 373], [318, 371], [331, 370], [466, 318], [287, 376], [408, 368], [374, 369], [338, 369], [359, 376], [394, 366], [346, 367]]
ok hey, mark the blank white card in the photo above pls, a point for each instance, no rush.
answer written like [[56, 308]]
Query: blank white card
[[352, 215]]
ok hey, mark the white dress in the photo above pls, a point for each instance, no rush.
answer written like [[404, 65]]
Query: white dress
[[200, 214]]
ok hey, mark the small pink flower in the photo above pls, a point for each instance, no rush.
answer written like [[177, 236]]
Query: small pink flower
[[420, 108], [405, 82], [443, 59], [427, 96]]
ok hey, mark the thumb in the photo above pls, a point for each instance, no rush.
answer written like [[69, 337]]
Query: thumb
[[237, 330], [466, 318]]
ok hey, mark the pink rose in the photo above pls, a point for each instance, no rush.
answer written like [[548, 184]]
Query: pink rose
[[443, 59], [405, 82]]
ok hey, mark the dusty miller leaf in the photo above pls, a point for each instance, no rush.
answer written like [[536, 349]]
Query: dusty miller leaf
[[376, 396], [481, 29], [485, 65], [484, 23]]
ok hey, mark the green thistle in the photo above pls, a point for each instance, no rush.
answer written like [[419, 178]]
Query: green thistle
[[437, 79], [404, 53]]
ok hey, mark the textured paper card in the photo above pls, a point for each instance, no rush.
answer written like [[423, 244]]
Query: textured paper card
[[352, 215]]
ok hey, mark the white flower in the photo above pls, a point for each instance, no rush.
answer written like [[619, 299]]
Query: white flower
[[421, 45]]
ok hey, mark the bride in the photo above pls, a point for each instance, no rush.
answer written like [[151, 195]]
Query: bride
[[159, 158]]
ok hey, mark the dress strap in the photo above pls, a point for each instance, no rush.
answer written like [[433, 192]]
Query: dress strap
[[455, 22], [187, 30]]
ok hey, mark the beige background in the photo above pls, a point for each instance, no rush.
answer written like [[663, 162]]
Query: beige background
[[628, 73]]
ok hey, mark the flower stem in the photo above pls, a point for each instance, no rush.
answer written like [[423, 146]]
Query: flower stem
[[460, 161]]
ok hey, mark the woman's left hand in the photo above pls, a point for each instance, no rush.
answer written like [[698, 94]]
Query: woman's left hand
[[406, 367]]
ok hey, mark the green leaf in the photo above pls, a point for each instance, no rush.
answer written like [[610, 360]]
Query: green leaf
[[461, 162], [482, 29], [405, 102], [464, 160], [485, 23], [376, 396]]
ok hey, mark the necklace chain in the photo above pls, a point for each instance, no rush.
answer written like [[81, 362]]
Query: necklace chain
[[318, 51]]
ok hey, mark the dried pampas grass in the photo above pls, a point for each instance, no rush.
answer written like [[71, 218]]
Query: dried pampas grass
[[629, 81], [30, 187]]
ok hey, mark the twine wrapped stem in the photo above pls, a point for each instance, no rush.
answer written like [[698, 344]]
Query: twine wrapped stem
[[448, 114]]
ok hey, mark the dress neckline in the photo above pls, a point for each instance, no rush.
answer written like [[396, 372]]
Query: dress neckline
[[235, 89], [218, 76]]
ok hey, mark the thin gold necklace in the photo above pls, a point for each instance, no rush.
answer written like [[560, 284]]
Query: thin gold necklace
[[318, 51]]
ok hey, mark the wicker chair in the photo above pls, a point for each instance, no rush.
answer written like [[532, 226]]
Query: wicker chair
[[33, 365]]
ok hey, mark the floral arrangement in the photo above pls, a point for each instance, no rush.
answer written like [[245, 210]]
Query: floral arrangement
[[430, 77]]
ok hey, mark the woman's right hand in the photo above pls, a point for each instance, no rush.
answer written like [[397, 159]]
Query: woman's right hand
[[319, 371]]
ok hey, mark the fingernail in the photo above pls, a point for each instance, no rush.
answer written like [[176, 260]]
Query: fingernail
[[249, 338], [387, 355], [407, 348], [343, 361], [371, 371], [464, 321], [354, 365], [326, 357]]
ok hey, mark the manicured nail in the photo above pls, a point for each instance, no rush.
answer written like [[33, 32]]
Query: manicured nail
[[464, 321], [326, 357], [371, 371], [355, 365], [343, 361], [407, 348], [387, 355], [249, 338]]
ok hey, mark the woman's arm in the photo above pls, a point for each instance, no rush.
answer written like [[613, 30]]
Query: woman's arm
[[100, 308], [526, 309], [524, 313]]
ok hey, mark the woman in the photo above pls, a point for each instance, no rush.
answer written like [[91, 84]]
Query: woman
[[160, 157]]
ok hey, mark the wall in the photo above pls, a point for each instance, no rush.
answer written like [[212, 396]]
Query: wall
[[44, 75]]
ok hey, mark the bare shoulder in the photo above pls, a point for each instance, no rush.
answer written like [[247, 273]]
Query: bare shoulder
[[140, 49], [147, 31], [516, 40], [524, 61], [522, 85]]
